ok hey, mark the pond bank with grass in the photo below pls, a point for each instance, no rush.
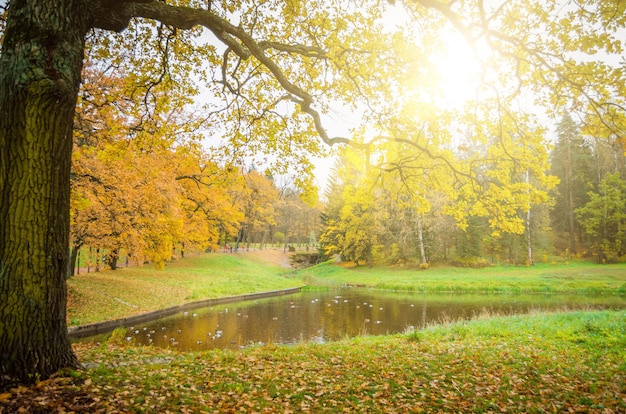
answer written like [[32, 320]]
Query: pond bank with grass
[[111, 295], [572, 362], [118, 294], [564, 278], [107, 326], [330, 315]]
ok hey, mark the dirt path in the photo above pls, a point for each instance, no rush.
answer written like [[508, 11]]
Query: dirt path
[[273, 255]]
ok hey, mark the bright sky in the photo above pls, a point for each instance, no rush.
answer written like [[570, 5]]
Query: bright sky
[[459, 69]]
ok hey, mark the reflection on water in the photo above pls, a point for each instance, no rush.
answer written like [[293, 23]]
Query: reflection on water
[[332, 315]]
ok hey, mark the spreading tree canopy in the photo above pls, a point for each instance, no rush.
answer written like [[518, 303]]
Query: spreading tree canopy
[[272, 71]]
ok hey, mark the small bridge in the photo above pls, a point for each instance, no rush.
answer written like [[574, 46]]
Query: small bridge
[[304, 259]]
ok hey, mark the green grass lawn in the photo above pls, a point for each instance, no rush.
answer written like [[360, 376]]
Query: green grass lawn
[[96, 297], [575, 277], [527, 363], [571, 362], [105, 295]]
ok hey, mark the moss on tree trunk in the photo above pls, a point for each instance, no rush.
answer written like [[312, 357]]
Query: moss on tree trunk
[[40, 65]]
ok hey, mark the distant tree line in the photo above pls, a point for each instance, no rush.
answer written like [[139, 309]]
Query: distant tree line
[[399, 211]]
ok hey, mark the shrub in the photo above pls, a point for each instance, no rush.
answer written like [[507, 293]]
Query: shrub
[[473, 262]]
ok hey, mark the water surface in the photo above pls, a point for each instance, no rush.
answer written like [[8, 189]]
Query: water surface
[[322, 316]]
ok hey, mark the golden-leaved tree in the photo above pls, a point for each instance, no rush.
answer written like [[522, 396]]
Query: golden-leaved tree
[[271, 70], [257, 197], [128, 172], [207, 198]]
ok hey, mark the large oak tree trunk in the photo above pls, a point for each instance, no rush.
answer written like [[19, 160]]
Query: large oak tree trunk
[[40, 65]]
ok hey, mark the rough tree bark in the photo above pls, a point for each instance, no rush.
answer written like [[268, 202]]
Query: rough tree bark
[[40, 67]]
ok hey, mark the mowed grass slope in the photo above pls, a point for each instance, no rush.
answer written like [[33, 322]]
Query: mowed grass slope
[[575, 277], [105, 295]]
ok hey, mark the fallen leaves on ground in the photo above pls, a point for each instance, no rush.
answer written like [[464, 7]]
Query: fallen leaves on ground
[[60, 394], [559, 363]]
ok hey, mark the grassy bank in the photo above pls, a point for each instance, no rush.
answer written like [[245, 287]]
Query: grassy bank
[[575, 277], [95, 297], [532, 363], [106, 295]]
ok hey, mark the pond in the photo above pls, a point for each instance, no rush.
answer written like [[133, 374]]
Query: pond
[[322, 316]]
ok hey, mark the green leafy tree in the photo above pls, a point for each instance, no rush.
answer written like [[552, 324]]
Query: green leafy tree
[[571, 163], [604, 218], [330, 218]]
